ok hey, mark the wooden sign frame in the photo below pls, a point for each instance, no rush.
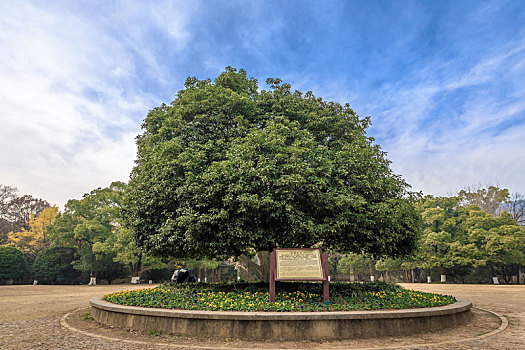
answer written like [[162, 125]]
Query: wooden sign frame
[[324, 268]]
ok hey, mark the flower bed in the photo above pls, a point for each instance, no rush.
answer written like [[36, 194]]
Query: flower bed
[[300, 297]]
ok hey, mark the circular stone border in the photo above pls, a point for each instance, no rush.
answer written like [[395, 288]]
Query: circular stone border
[[503, 325], [282, 325]]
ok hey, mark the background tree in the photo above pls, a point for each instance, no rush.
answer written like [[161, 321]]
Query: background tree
[[407, 265], [516, 208], [7, 193], [31, 241], [444, 242], [87, 222], [491, 200], [112, 269], [334, 258], [16, 211], [93, 225], [124, 249], [13, 264], [200, 267], [21, 208], [54, 266], [500, 240], [357, 264], [228, 170]]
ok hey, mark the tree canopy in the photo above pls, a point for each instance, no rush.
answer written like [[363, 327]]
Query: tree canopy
[[13, 264], [33, 240], [458, 236], [93, 225], [54, 265], [227, 169], [86, 222], [16, 211], [492, 200], [445, 241]]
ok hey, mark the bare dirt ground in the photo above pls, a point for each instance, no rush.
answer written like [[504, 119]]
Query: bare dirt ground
[[30, 318]]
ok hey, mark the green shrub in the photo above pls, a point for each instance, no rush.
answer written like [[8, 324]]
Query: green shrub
[[298, 297], [13, 264], [53, 265]]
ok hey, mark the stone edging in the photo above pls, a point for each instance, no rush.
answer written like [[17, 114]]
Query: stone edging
[[282, 325], [502, 327]]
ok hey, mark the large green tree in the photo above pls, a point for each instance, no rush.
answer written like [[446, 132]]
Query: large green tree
[[93, 225], [227, 170], [54, 265], [500, 240], [445, 242], [86, 222], [13, 264]]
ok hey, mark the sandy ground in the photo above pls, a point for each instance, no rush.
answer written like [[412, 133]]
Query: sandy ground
[[30, 319]]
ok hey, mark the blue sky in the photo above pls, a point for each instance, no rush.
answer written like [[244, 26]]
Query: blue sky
[[443, 81]]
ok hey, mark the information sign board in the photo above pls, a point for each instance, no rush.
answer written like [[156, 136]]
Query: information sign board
[[303, 264], [298, 264]]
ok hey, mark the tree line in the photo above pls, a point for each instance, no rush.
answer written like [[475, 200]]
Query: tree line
[[86, 239], [477, 234], [474, 236]]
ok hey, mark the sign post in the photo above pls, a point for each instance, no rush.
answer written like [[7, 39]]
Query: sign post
[[299, 264]]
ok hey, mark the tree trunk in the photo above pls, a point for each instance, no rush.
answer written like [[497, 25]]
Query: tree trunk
[[521, 275], [92, 278], [260, 268], [409, 275], [352, 275], [335, 265]]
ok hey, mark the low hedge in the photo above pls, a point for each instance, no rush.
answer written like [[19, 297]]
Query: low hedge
[[297, 296]]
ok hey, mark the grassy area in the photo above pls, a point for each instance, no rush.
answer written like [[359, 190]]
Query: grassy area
[[290, 297]]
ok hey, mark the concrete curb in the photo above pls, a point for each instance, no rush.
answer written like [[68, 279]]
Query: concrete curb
[[459, 306], [282, 325], [502, 327]]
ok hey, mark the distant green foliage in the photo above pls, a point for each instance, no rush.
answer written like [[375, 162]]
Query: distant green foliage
[[463, 239], [113, 270], [456, 235], [13, 264], [93, 225], [227, 169], [357, 263], [54, 265], [158, 275]]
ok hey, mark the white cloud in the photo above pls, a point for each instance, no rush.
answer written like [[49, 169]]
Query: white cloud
[[486, 161], [440, 148], [71, 99]]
